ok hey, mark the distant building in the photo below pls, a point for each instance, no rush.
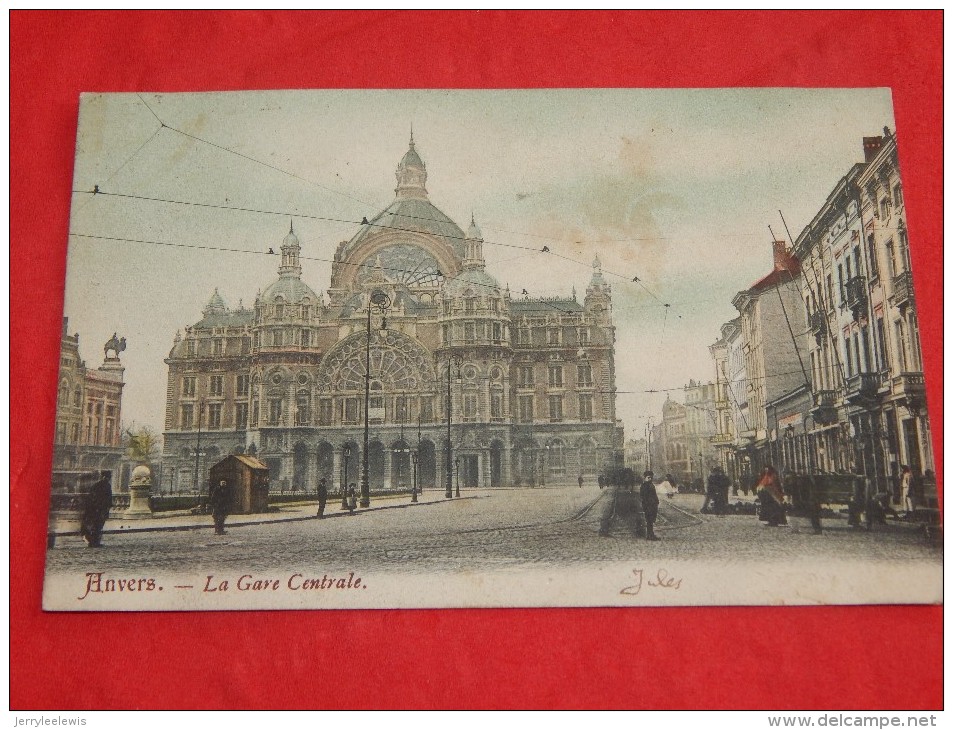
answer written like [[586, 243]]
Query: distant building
[[88, 410], [731, 402], [531, 380], [637, 455], [774, 344], [682, 442]]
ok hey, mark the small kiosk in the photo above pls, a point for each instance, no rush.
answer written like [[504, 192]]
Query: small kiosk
[[248, 478]]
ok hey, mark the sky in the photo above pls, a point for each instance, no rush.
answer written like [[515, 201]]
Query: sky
[[675, 187]]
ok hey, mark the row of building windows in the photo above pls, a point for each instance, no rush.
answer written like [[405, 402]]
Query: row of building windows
[[350, 411], [97, 432], [290, 312], [526, 376], [552, 336]]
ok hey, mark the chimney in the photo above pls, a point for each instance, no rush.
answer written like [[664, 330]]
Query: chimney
[[872, 146], [781, 256]]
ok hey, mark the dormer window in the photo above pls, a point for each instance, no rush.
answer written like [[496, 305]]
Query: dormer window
[[279, 311], [469, 305]]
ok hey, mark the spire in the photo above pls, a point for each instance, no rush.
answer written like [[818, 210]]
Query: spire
[[598, 286], [411, 174], [290, 252], [216, 305], [473, 253]]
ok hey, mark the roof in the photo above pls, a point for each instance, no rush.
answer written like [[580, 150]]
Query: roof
[[291, 289], [482, 283], [413, 215], [235, 318], [548, 304], [250, 461], [778, 276]]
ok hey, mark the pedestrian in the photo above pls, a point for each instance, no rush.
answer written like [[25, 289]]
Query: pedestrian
[[220, 499], [322, 496], [717, 491], [804, 503], [906, 496], [771, 496], [96, 510], [351, 498], [580, 481], [602, 482], [649, 499]]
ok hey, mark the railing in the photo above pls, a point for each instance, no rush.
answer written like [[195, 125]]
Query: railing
[[863, 386], [818, 324], [856, 290], [824, 412], [908, 383], [903, 288]]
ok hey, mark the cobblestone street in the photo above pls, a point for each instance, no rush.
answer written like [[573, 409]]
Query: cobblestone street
[[487, 530]]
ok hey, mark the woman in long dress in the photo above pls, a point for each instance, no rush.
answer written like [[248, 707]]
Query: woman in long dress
[[771, 494]]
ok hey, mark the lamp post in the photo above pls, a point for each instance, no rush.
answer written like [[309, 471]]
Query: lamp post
[[457, 461], [380, 300], [413, 494], [347, 457]]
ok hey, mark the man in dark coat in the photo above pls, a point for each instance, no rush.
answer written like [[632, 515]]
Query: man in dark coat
[[220, 499], [322, 496], [649, 504], [718, 490], [98, 503]]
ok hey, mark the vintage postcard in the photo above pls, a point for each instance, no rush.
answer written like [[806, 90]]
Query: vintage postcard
[[412, 349]]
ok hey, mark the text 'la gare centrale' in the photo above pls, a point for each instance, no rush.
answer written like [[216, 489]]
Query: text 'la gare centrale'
[[101, 583]]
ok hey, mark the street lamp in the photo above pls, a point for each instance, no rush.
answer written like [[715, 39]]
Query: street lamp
[[457, 462], [347, 458], [413, 458], [380, 300]]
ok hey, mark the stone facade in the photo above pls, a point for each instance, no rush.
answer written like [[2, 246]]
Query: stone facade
[[88, 411], [527, 385]]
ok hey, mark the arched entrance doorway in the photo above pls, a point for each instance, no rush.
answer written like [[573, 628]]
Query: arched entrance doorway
[[401, 471], [496, 464], [350, 464], [326, 463], [524, 463], [300, 472], [375, 465], [427, 465]]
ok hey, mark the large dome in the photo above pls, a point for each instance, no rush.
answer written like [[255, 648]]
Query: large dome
[[291, 290], [412, 215], [480, 282]]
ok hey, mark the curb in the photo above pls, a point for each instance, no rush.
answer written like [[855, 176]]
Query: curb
[[249, 523]]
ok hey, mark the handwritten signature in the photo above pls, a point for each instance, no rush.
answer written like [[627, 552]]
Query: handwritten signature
[[661, 579]]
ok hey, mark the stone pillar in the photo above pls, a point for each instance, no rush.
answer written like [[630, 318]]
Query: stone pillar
[[140, 487], [311, 471], [338, 461], [506, 472], [388, 467], [440, 456]]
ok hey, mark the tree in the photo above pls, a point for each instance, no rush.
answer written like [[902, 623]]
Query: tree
[[142, 444]]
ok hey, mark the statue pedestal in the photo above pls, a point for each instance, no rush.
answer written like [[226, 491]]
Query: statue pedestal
[[138, 503], [139, 490]]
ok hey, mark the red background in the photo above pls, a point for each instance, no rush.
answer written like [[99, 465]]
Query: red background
[[839, 657]]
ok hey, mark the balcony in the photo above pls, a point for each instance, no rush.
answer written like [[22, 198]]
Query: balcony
[[818, 324], [911, 387], [824, 411], [903, 289], [856, 297], [862, 389]]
